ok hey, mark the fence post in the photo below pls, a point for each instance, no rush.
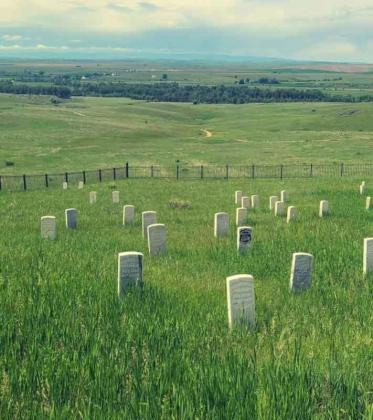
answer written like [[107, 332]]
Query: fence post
[[46, 180], [311, 170], [84, 178], [201, 171], [100, 175], [281, 171], [253, 171], [114, 174], [342, 169], [227, 172], [127, 170], [177, 171], [151, 171], [24, 183], [66, 177]]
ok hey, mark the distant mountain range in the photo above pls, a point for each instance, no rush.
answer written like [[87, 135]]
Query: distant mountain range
[[81, 54]]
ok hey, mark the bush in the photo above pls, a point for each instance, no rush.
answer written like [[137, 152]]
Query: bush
[[179, 204]]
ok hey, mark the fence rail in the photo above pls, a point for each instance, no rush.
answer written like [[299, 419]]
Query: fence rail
[[183, 172]]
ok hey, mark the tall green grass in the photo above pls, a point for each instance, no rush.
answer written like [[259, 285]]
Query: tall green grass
[[93, 133], [69, 348]]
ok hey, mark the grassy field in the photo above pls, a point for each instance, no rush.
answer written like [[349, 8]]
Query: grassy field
[[69, 348], [88, 133]]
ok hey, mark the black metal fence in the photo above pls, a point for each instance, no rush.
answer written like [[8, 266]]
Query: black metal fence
[[183, 172]]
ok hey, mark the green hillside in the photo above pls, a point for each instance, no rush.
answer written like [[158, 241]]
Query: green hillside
[[88, 133]]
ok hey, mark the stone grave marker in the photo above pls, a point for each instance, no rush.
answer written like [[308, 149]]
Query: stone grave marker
[[272, 202], [241, 301], [244, 238], [246, 202], [301, 272], [128, 215], [157, 244], [221, 224], [279, 209], [368, 256], [48, 227], [130, 270], [92, 197], [80, 185], [64, 185], [362, 189], [238, 197], [241, 216], [368, 204], [284, 196], [148, 218], [115, 196], [292, 214], [255, 203], [71, 218], [324, 208]]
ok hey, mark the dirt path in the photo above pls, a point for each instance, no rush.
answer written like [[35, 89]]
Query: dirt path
[[207, 133], [57, 109]]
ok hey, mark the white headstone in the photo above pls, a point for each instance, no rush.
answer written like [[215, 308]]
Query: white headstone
[[284, 196], [221, 224], [115, 196], [301, 272], [363, 183], [128, 215], [81, 185], [246, 202], [238, 196], [368, 204], [255, 203], [71, 218], [241, 300], [279, 209], [272, 202], [48, 227], [157, 239], [64, 185], [241, 216], [244, 238], [362, 189], [324, 208], [92, 197], [148, 218], [130, 270], [292, 214], [368, 255]]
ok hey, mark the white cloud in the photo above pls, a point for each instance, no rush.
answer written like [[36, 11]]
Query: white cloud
[[113, 16], [10, 47], [62, 48], [277, 24], [12, 38]]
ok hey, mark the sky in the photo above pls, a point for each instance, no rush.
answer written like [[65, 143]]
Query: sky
[[321, 30]]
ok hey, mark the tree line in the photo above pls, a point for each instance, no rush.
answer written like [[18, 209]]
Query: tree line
[[173, 92], [63, 92]]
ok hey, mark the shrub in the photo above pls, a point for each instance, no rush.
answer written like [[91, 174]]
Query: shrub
[[175, 203]]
